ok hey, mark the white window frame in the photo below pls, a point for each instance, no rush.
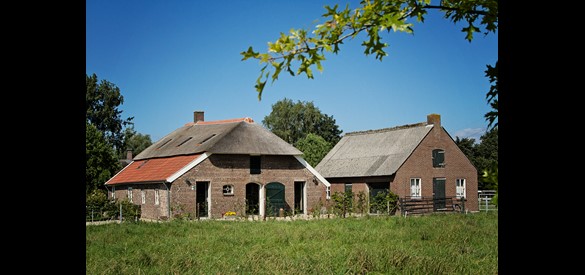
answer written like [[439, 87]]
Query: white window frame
[[415, 187], [143, 196], [114, 192], [460, 185], [156, 197], [130, 194], [328, 193], [228, 190]]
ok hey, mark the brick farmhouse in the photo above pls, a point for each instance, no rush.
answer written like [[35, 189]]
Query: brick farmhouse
[[417, 161], [208, 168]]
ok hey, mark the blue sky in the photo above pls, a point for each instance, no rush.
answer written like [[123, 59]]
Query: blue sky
[[170, 58]]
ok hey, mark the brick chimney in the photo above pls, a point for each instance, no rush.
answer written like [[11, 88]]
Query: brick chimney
[[434, 119], [129, 154], [198, 116]]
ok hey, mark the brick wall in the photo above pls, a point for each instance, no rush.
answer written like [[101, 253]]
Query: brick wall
[[220, 170], [420, 165], [149, 209]]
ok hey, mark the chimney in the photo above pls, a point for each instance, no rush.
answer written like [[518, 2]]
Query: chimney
[[198, 116], [434, 119], [129, 154]]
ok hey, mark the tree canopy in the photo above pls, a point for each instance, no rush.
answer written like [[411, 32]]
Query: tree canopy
[[134, 141], [102, 101], [105, 139], [314, 148], [100, 158], [293, 121], [483, 155], [301, 50]]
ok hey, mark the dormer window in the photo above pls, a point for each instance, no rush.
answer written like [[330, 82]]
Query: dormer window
[[439, 158]]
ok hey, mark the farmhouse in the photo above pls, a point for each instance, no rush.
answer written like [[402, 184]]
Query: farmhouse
[[208, 168], [416, 162]]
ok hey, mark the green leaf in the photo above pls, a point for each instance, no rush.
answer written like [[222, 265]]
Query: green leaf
[[249, 53]]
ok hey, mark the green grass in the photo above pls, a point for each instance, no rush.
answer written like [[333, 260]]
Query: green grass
[[433, 244]]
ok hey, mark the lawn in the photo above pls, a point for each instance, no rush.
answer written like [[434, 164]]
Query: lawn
[[431, 244]]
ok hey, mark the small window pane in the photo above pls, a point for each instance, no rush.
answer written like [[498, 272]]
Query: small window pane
[[228, 189]]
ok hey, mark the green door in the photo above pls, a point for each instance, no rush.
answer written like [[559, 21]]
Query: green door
[[438, 193], [274, 198]]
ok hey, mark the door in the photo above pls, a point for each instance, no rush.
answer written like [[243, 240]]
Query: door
[[376, 200], [299, 197], [274, 198], [252, 198], [439, 193], [201, 198]]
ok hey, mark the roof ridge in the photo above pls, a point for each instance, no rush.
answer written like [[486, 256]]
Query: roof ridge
[[221, 121], [387, 129]]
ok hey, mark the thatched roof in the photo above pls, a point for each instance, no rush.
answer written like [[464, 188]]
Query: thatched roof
[[372, 153], [238, 136]]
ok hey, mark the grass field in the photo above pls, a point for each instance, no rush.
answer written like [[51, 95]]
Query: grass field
[[433, 244]]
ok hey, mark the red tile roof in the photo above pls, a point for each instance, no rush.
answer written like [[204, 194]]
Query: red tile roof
[[149, 170]]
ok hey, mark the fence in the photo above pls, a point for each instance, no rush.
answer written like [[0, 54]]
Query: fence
[[485, 200], [425, 205], [120, 211]]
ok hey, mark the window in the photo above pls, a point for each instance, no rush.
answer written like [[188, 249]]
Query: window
[[348, 187], [114, 192], [439, 158], [143, 196], [130, 194], [255, 165], [460, 188], [156, 197], [415, 187], [328, 193], [228, 190]]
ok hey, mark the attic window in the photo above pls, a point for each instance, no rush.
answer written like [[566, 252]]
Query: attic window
[[164, 143], [439, 158], [208, 138], [189, 138]]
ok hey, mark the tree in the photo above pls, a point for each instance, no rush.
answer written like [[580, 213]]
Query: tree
[[100, 157], [314, 148], [467, 146], [293, 121], [134, 141], [304, 51], [492, 95], [484, 156], [487, 157], [102, 101]]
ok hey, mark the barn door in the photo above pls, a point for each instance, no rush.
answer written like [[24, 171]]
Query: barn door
[[438, 193], [274, 198]]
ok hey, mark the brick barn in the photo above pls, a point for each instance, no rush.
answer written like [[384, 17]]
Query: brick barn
[[207, 168], [417, 161]]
